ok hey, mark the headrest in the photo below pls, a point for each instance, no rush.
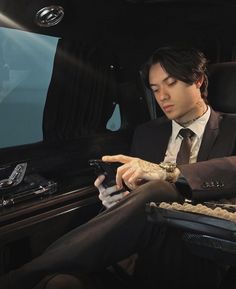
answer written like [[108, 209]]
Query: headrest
[[222, 86]]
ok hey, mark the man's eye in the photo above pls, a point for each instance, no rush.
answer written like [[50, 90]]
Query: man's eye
[[172, 82]]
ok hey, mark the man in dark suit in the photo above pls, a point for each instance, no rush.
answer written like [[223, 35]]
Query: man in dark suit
[[206, 170], [179, 84]]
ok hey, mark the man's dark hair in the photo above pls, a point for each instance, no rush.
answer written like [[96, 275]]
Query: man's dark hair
[[185, 64]]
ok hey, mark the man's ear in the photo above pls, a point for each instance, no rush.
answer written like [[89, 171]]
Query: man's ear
[[199, 82]]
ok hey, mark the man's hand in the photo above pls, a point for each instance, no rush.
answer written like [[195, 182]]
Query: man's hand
[[105, 193], [135, 171]]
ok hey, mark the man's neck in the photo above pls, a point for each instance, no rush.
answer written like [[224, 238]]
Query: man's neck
[[188, 122]]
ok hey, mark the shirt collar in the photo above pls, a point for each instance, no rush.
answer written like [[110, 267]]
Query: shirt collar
[[198, 126]]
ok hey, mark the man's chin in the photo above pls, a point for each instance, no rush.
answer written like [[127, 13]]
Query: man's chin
[[171, 116]]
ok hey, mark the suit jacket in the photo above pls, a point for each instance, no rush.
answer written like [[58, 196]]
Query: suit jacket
[[214, 174]]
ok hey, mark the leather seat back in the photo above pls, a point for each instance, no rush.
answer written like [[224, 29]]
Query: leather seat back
[[222, 86]]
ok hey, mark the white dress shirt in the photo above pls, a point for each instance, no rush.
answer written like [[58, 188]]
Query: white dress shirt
[[198, 127]]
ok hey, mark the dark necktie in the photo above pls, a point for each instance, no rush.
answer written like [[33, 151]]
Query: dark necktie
[[183, 155]]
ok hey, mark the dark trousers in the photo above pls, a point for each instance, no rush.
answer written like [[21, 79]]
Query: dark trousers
[[111, 236], [101, 280], [106, 239]]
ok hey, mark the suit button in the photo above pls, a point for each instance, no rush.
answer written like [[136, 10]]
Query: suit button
[[212, 184], [205, 185], [222, 184], [217, 184]]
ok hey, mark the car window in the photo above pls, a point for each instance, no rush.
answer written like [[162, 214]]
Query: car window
[[26, 62], [114, 122]]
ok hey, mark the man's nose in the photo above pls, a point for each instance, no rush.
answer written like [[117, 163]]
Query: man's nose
[[163, 94]]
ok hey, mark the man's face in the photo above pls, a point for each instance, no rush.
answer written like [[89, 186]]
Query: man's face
[[178, 100]]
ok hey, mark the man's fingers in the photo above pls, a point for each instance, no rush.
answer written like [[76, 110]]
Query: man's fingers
[[117, 158], [128, 174], [101, 189], [116, 197], [99, 180], [109, 191], [105, 193], [107, 204], [137, 175], [110, 201], [124, 177], [120, 174]]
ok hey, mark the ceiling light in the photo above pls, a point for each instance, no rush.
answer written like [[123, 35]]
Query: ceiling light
[[49, 16]]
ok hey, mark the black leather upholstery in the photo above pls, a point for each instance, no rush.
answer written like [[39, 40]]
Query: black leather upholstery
[[222, 86]]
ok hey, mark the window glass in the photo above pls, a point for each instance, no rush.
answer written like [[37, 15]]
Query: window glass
[[114, 122], [26, 62]]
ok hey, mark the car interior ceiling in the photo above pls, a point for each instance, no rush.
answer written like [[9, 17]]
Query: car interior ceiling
[[101, 49]]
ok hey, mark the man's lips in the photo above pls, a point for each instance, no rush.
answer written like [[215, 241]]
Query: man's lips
[[167, 107]]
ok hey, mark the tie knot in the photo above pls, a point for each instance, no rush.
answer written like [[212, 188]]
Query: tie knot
[[186, 133]]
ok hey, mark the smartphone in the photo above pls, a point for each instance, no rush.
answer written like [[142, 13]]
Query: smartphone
[[107, 169]]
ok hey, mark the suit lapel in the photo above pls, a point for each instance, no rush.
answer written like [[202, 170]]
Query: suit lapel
[[161, 140], [209, 136]]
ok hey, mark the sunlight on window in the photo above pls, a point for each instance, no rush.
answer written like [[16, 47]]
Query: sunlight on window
[[26, 62]]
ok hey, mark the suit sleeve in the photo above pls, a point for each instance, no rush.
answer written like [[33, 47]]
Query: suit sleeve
[[212, 179]]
